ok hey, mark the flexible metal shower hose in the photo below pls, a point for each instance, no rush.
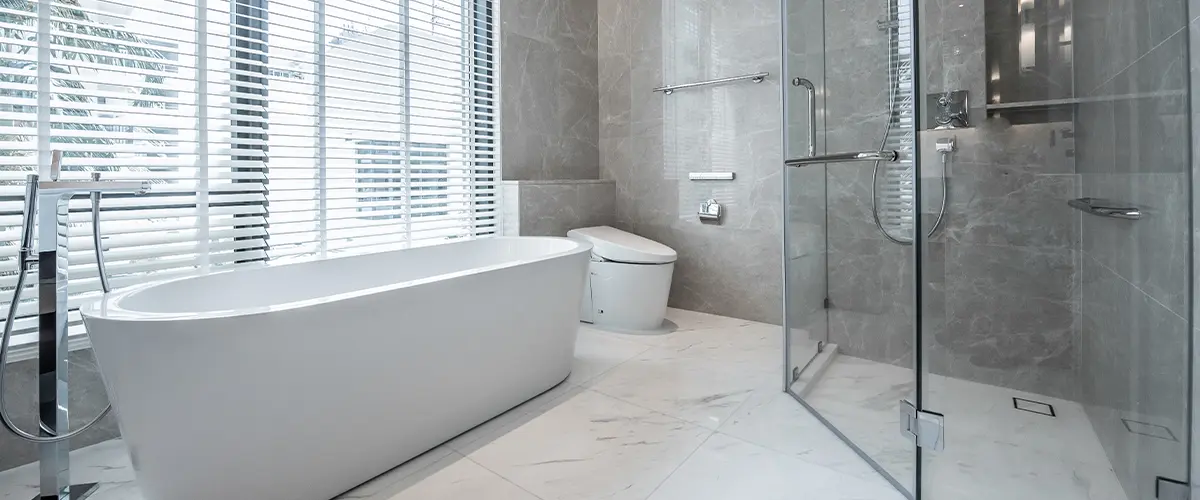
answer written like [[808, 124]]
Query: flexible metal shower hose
[[893, 89]]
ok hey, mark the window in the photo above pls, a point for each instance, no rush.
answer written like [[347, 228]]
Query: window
[[270, 129]]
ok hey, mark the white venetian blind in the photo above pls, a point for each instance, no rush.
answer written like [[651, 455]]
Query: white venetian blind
[[269, 128], [381, 117]]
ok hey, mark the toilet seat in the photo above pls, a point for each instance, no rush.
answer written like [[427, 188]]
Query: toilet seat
[[628, 281], [615, 245]]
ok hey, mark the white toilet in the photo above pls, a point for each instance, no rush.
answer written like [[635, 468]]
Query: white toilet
[[628, 281]]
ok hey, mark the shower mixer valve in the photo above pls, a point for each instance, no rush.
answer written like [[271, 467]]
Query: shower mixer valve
[[949, 109]]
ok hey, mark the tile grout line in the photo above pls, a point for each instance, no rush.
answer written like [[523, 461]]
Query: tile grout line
[[501, 476], [681, 463], [797, 457], [875, 473], [711, 432]]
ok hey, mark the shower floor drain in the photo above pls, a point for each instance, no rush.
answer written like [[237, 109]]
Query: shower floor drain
[[1152, 430], [1034, 407]]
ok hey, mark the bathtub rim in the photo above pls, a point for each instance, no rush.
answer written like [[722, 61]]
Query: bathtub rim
[[108, 307]]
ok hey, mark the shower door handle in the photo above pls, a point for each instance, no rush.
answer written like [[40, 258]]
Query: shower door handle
[[844, 158], [812, 112]]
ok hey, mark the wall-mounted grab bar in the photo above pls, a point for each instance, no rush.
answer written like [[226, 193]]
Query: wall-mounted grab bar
[[1106, 208], [844, 158], [755, 77]]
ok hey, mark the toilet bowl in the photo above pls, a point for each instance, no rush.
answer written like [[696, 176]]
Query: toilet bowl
[[629, 279]]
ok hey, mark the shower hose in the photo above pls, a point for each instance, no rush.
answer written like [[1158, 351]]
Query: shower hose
[[893, 89], [23, 256]]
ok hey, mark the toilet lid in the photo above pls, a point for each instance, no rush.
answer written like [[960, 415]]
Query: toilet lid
[[619, 246]]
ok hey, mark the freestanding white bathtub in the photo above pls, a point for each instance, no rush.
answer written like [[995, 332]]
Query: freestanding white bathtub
[[301, 381]]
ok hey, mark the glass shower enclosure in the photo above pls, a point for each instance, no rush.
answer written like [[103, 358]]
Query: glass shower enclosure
[[1004, 310]]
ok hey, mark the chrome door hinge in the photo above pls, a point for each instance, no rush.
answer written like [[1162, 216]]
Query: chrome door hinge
[[924, 428]]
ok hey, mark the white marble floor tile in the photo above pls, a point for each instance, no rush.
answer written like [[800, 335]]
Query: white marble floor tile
[[592, 447], [698, 414], [704, 390], [497, 427], [106, 462], [597, 352], [118, 491], [372, 489], [993, 451], [761, 341], [685, 320], [774, 420], [729, 468], [862, 399], [454, 477]]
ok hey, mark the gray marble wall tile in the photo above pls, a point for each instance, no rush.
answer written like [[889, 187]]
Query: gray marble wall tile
[[1010, 317], [872, 298], [1110, 35], [807, 316], [1000, 288], [720, 270], [551, 208], [87, 398], [1153, 252], [1001, 205], [1132, 56], [1135, 369], [550, 76], [1194, 53], [652, 141]]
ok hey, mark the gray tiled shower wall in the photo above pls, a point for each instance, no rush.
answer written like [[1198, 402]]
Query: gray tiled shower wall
[[1008, 233], [1001, 293], [1131, 64]]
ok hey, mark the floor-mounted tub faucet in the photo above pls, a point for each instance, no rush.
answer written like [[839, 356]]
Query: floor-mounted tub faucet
[[46, 215]]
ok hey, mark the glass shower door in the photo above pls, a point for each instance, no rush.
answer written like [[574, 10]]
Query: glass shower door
[[1023, 272], [805, 263], [850, 272], [1056, 294]]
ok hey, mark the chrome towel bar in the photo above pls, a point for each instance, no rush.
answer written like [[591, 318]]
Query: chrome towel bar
[[755, 77], [844, 158]]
